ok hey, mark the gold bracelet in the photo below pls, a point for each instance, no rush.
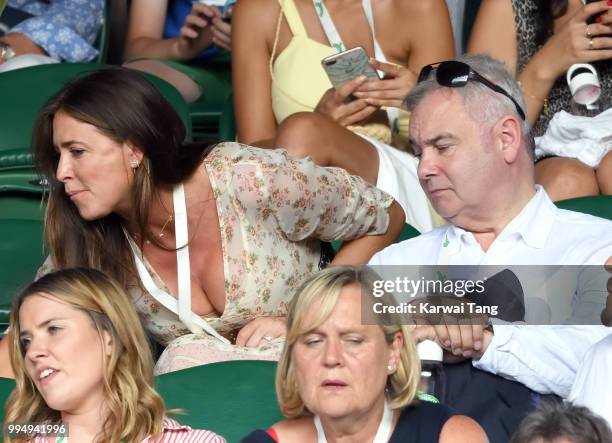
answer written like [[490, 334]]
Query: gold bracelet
[[544, 100]]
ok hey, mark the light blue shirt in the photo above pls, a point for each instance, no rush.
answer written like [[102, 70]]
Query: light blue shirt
[[65, 29]]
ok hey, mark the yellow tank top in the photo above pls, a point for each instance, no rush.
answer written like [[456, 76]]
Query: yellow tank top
[[298, 79]]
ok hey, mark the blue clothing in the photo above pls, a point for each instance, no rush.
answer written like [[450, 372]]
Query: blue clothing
[[65, 29], [175, 17]]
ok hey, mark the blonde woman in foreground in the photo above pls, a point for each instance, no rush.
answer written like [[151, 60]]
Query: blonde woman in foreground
[[81, 359], [341, 380]]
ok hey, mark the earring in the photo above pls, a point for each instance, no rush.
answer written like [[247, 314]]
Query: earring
[[135, 164], [390, 368]]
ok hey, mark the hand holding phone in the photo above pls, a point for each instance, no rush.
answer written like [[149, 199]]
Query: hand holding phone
[[342, 107], [392, 90], [348, 65]]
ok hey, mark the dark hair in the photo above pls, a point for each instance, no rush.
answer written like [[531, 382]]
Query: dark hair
[[553, 420], [127, 108], [548, 11]]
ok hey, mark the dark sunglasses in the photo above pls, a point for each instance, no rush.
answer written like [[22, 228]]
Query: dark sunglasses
[[454, 74]]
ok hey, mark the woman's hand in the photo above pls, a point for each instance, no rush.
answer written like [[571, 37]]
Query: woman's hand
[[261, 330], [222, 33], [336, 106], [197, 32], [577, 42], [392, 90]]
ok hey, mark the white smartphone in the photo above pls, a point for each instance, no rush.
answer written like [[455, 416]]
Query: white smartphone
[[345, 66]]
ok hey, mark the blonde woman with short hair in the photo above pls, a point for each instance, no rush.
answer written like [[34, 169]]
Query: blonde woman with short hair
[[339, 379]]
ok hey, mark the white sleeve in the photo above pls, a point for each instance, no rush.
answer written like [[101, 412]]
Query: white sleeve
[[543, 358]]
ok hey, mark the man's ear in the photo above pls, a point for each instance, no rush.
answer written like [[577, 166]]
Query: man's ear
[[509, 137]]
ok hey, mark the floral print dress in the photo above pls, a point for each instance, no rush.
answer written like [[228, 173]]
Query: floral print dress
[[274, 211]]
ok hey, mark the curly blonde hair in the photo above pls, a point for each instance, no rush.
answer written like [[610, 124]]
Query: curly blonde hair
[[322, 290], [136, 410]]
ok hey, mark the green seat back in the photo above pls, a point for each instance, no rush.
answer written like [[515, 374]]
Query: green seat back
[[600, 205], [21, 244], [26, 90], [216, 76], [6, 387], [231, 398], [227, 121]]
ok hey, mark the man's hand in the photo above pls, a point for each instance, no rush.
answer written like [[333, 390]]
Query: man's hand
[[461, 340], [261, 330], [462, 335]]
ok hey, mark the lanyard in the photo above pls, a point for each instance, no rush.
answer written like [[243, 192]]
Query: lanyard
[[182, 306], [336, 42], [383, 434]]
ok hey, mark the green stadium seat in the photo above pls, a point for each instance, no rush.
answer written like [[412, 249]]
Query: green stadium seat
[[21, 224], [26, 91], [599, 205], [207, 110], [227, 121], [231, 398]]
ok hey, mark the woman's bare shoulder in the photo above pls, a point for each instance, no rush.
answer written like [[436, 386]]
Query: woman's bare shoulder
[[462, 429], [261, 15], [297, 429]]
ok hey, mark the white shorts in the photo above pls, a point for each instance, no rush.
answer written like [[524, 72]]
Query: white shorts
[[397, 176]]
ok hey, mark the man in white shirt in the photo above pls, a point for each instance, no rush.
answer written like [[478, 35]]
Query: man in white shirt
[[468, 129]]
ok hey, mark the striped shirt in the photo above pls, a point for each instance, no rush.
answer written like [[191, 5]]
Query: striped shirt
[[172, 432]]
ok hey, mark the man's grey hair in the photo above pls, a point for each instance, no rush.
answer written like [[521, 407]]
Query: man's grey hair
[[555, 420], [483, 104]]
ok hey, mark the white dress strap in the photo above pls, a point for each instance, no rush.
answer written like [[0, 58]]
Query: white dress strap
[[182, 306], [328, 26]]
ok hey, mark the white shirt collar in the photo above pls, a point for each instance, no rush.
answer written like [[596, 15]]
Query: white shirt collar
[[533, 224]]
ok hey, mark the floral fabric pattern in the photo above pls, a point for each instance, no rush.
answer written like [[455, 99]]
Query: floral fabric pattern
[[65, 29], [273, 213]]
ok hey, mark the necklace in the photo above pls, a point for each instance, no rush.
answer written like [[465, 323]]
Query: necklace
[[161, 233]]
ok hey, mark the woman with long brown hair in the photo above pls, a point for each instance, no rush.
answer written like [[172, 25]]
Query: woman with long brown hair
[[211, 241]]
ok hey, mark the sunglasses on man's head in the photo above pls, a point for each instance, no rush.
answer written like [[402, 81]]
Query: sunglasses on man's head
[[454, 74]]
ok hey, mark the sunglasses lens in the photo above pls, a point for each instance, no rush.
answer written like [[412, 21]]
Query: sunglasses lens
[[424, 74], [453, 74]]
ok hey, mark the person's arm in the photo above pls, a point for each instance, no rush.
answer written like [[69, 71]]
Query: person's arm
[[431, 34], [494, 33], [462, 429], [66, 31], [543, 358], [145, 30], [254, 27], [330, 204], [361, 250], [421, 50], [253, 23]]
